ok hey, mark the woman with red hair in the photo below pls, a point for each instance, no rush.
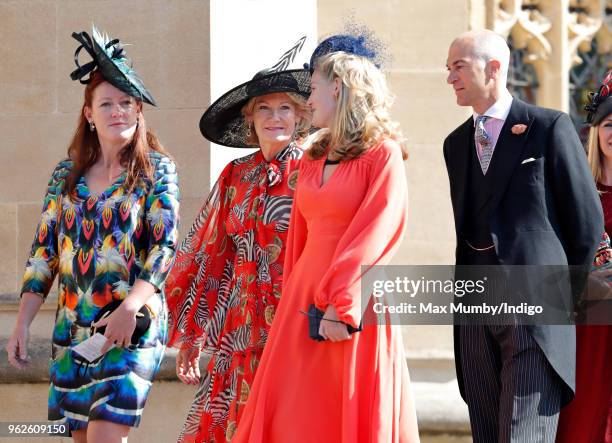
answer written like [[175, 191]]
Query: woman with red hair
[[108, 230]]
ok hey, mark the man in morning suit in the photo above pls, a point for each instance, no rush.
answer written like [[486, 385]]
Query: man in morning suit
[[522, 194]]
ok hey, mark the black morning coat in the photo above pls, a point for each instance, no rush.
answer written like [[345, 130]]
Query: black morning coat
[[545, 211]]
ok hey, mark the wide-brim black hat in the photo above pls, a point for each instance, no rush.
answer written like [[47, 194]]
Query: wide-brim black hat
[[111, 60], [223, 122]]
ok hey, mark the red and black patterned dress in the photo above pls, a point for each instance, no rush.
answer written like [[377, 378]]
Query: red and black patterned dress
[[588, 418], [226, 284]]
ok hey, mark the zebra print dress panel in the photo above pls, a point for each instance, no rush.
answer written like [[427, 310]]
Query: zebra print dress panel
[[226, 284]]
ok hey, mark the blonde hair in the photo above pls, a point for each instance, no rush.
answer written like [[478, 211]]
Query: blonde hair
[[302, 111], [594, 154], [361, 119]]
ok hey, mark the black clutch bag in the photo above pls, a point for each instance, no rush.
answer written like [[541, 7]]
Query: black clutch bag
[[314, 321], [143, 320]]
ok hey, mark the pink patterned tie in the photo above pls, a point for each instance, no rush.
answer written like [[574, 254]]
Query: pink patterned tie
[[484, 140]]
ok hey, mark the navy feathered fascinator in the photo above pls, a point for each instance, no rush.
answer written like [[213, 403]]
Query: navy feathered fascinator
[[356, 39], [110, 59]]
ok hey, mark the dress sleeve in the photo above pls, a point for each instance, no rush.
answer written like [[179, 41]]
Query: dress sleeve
[[161, 221], [42, 265], [298, 231], [201, 270], [371, 238]]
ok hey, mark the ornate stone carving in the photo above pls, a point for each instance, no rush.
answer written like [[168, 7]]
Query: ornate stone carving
[[585, 20], [534, 27], [604, 35], [525, 22], [590, 42]]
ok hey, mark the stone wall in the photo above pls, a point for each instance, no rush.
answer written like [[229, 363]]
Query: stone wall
[[40, 103]]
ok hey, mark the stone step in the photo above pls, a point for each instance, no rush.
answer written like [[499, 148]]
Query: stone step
[[166, 408], [10, 302], [440, 410], [162, 420], [39, 352], [42, 326], [423, 368]]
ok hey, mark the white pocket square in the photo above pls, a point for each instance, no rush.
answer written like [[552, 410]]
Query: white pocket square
[[528, 160]]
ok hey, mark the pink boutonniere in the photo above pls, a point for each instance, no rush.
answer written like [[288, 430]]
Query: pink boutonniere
[[518, 129]]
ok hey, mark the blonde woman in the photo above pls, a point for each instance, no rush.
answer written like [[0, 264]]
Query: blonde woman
[[349, 384]]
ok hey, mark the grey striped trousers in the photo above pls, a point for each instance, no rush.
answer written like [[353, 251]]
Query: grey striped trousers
[[512, 392]]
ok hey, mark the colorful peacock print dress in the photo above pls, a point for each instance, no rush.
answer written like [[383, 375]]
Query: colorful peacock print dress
[[226, 284], [98, 246]]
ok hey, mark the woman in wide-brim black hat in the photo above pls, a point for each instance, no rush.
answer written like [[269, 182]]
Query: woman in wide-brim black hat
[[227, 279], [108, 230]]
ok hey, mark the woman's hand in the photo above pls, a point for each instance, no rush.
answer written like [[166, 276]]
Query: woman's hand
[[188, 365], [17, 347], [333, 330], [120, 324]]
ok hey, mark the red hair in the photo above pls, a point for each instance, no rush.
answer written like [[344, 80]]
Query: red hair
[[84, 149]]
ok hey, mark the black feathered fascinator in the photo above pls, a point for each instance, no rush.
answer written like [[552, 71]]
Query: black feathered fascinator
[[110, 59]]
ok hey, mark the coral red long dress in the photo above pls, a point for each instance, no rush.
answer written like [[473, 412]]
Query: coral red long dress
[[351, 391], [588, 418]]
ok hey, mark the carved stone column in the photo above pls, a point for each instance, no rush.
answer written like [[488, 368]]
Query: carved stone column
[[529, 27], [604, 34], [553, 32], [554, 76], [585, 19]]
